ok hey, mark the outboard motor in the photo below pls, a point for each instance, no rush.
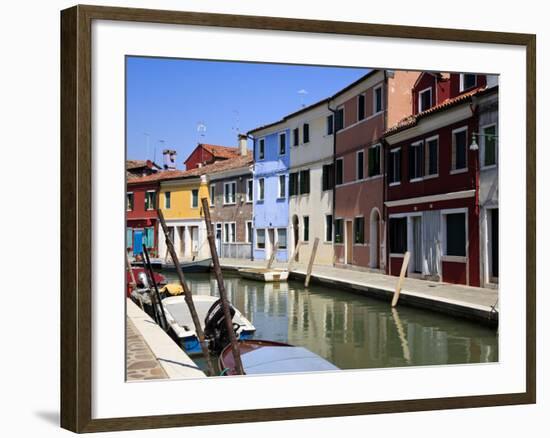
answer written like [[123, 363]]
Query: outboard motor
[[143, 280], [215, 328]]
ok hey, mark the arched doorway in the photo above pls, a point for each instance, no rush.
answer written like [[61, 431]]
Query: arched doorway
[[374, 238], [295, 233]]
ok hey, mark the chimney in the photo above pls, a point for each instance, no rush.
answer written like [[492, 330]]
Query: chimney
[[243, 145], [169, 159]]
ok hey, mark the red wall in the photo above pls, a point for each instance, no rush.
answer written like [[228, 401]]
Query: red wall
[[199, 155], [445, 182], [139, 217]]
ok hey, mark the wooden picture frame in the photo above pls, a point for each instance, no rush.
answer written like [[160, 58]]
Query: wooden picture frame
[[76, 222]]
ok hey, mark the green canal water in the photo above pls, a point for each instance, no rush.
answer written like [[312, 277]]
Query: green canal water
[[350, 330]]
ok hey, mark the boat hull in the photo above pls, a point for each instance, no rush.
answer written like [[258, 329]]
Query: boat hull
[[265, 275], [196, 266]]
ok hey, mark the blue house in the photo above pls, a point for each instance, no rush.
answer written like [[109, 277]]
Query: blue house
[[271, 164]]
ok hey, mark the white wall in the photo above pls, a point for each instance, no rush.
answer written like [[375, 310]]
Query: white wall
[[30, 111]]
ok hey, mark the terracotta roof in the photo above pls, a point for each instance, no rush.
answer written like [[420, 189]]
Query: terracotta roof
[[218, 151], [217, 166], [412, 120], [137, 164]]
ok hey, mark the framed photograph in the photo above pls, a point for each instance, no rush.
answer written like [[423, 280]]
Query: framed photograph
[[269, 219]]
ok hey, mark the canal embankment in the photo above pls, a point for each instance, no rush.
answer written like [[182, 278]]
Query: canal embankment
[[472, 303], [151, 353]]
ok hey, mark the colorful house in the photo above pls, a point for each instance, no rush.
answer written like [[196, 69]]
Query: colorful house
[[141, 215], [231, 189], [361, 113], [180, 202], [432, 195], [205, 154], [272, 158], [310, 182]]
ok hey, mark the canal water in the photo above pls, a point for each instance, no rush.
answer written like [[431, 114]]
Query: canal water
[[351, 330]]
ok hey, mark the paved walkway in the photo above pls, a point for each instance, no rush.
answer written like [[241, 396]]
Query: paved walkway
[[141, 364], [464, 301]]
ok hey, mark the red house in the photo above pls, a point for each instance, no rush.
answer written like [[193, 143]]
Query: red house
[[141, 214], [432, 185], [205, 154]]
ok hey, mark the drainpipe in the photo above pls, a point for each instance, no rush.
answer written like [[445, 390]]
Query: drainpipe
[[333, 111]]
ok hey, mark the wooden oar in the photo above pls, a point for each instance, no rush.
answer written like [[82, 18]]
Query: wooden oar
[[187, 294], [221, 287]]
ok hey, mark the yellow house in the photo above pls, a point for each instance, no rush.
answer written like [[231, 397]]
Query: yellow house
[[181, 205]]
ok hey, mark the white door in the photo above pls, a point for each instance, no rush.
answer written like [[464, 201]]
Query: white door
[[194, 239]]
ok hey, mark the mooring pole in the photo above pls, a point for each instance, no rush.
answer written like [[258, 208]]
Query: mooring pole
[[147, 263], [187, 294], [273, 255], [311, 259], [221, 287], [294, 255], [401, 277]]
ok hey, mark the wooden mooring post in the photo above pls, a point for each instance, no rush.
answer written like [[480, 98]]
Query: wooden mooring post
[[221, 287], [155, 296], [311, 260], [273, 255], [294, 256], [401, 277], [187, 294]]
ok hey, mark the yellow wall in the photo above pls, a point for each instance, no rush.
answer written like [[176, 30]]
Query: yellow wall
[[180, 199]]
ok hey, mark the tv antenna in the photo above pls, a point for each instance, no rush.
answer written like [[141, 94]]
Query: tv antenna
[[302, 94], [201, 132]]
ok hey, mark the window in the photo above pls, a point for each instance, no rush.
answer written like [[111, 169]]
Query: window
[[261, 149], [338, 231], [459, 149], [359, 230], [194, 198], [260, 239], [306, 229], [328, 177], [306, 133], [374, 160], [248, 231], [229, 232], [489, 143], [467, 81], [296, 136], [360, 165], [149, 237], [229, 190], [394, 166], [339, 171], [293, 184], [432, 146], [150, 200], [167, 199], [282, 144], [378, 104], [455, 234], [360, 107], [304, 182], [398, 235], [129, 201], [129, 234], [261, 184], [424, 100], [328, 228], [282, 186], [249, 190], [330, 124], [416, 160], [212, 195], [281, 238], [339, 119]]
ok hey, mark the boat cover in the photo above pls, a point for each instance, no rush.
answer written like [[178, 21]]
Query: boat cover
[[269, 360], [172, 289]]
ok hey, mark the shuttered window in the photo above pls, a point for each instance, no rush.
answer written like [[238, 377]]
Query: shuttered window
[[416, 160], [293, 184], [360, 107], [432, 153], [339, 171], [306, 228], [398, 235], [374, 160], [306, 133], [359, 230], [394, 166], [360, 170], [328, 177], [338, 231], [339, 119], [459, 149], [304, 182], [330, 124], [296, 136], [456, 234]]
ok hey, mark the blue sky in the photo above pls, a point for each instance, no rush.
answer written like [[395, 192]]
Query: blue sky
[[168, 98]]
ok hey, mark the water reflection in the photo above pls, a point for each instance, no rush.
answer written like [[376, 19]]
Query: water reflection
[[350, 330]]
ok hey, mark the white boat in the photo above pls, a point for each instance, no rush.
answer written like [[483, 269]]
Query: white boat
[[181, 324], [263, 274]]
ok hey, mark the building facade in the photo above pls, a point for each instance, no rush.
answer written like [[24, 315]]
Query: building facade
[[361, 114], [141, 215], [310, 183], [231, 188], [271, 164], [432, 182]]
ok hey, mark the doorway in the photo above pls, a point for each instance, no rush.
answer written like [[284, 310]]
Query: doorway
[[296, 235], [349, 243], [374, 238], [271, 239], [417, 244], [138, 242], [493, 245]]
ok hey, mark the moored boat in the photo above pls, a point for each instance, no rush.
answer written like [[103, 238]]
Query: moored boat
[[263, 274], [202, 265], [139, 275], [270, 357], [181, 323]]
